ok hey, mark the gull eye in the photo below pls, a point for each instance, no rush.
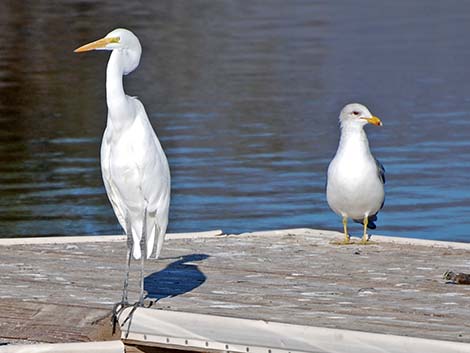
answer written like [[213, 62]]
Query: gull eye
[[355, 112]]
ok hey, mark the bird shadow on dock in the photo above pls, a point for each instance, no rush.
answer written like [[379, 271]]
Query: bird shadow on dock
[[179, 277]]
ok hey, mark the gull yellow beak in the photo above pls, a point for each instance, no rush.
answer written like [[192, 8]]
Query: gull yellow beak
[[374, 120], [97, 44]]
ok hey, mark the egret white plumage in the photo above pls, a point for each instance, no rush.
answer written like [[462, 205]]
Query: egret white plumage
[[355, 182], [135, 170]]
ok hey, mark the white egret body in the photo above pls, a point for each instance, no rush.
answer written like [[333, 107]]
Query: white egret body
[[134, 167], [355, 184]]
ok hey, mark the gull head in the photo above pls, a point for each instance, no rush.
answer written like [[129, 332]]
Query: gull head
[[356, 114]]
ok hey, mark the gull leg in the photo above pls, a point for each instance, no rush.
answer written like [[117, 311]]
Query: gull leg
[[365, 237], [345, 228]]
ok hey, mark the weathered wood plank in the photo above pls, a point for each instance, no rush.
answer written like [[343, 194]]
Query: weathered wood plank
[[49, 322], [299, 278], [114, 346]]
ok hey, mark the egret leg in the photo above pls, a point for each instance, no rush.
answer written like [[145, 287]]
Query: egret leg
[[124, 299], [143, 255], [365, 237], [143, 248], [125, 286]]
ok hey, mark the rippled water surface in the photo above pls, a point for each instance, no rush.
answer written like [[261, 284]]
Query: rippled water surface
[[244, 96]]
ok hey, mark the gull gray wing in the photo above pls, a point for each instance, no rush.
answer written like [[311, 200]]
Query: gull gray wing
[[380, 170], [373, 218]]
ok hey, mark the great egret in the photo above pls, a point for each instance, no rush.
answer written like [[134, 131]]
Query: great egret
[[355, 186], [134, 167]]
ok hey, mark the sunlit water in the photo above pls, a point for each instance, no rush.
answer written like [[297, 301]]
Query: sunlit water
[[244, 96]]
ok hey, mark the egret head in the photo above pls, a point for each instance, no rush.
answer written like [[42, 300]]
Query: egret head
[[121, 40], [357, 114]]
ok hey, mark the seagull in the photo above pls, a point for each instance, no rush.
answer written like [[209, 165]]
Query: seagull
[[355, 181]]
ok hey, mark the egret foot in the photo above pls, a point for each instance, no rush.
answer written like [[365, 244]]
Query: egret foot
[[135, 306], [118, 308]]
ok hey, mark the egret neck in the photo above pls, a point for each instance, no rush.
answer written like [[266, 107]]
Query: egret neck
[[120, 113]]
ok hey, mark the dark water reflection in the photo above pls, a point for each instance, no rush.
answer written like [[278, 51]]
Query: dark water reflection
[[244, 96]]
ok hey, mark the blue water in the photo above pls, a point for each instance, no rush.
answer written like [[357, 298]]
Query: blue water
[[244, 97]]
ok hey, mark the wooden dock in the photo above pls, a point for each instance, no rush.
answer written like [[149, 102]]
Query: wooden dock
[[63, 290]]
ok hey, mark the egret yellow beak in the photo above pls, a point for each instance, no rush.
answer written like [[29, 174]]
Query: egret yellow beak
[[97, 44], [374, 120]]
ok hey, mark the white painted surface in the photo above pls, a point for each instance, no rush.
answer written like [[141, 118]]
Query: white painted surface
[[423, 242], [316, 233], [80, 347], [201, 332], [99, 238]]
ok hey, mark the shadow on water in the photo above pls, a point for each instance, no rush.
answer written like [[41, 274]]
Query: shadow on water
[[177, 278]]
